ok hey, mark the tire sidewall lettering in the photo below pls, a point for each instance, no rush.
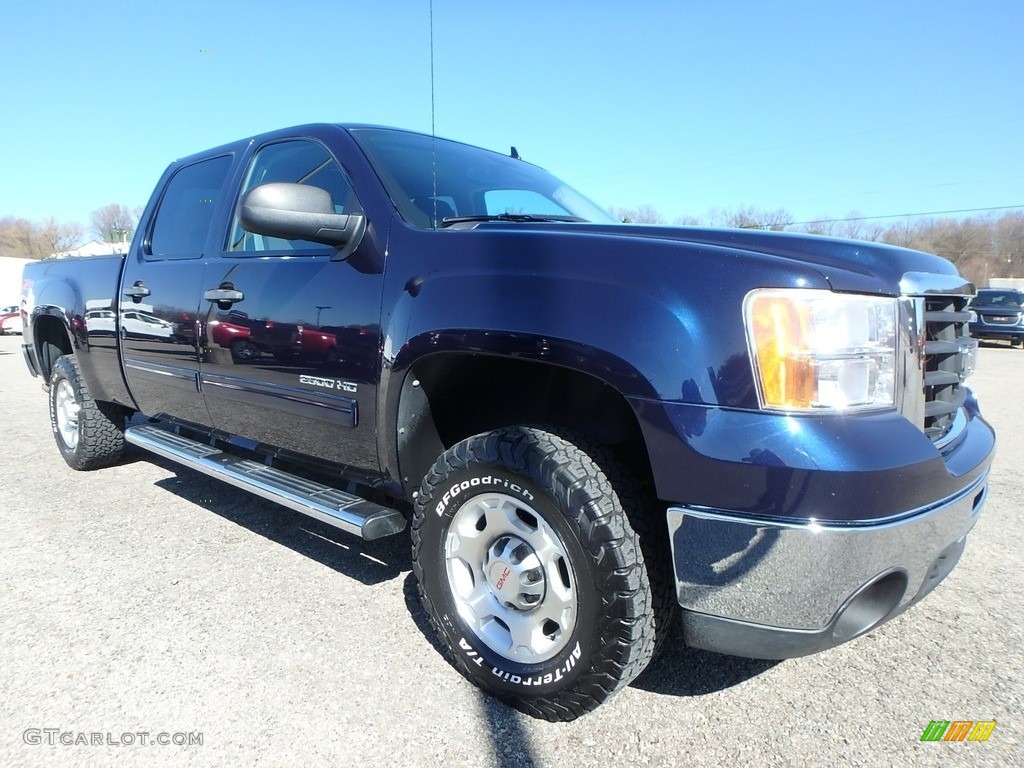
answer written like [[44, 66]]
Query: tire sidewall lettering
[[490, 482], [533, 679], [531, 474]]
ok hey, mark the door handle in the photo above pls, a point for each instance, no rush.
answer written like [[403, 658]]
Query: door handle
[[224, 296], [137, 292]]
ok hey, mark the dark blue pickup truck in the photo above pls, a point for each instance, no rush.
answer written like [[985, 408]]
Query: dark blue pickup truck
[[588, 426]]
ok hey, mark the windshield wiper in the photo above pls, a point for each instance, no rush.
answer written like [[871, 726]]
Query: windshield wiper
[[449, 220]]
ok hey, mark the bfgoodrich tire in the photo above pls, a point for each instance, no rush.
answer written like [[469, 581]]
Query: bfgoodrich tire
[[531, 573], [89, 435]]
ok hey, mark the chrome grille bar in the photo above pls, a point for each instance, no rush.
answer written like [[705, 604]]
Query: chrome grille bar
[[936, 347]]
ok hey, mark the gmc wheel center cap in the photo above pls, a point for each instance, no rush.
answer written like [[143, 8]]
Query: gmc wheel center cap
[[514, 573]]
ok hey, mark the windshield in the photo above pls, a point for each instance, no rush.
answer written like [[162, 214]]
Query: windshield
[[470, 182], [1009, 299]]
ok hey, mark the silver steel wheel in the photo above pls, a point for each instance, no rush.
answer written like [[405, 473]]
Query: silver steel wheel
[[67, 411], [511, 578]]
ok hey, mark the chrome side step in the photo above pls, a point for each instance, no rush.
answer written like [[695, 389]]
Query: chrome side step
[[329, 505]]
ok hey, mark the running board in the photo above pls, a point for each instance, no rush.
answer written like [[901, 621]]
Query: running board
[[329, 505]]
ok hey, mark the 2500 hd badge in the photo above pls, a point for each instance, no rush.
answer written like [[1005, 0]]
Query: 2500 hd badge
[[316, 381]]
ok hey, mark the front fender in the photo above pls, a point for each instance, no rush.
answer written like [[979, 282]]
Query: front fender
[[653, 319]]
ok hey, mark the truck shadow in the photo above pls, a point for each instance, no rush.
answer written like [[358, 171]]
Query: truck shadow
[[368, 562], [683, 671], [677, 671]]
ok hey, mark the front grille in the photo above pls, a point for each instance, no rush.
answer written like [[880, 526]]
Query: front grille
[[945, 352], [999, 319]]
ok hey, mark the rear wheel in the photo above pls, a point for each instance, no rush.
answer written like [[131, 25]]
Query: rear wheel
[[531, 573], [88, 434]]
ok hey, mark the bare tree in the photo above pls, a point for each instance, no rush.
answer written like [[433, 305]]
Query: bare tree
[[21, 238], [686, 221], [754, 218], [873, 231], [715, 217], [824, 226], [1008, 242], [959, 240], [60, 238], [9, 245], [642, 214], [902, 233], [114, 223]]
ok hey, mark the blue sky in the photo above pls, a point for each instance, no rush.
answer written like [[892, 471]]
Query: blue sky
[[821, 108]]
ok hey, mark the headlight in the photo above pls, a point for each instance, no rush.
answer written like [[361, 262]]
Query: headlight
[[817, 350]]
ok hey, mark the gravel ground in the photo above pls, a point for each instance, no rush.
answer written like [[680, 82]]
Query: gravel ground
[[148, 599]]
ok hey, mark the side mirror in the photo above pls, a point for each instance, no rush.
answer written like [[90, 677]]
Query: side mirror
[[300, 212]]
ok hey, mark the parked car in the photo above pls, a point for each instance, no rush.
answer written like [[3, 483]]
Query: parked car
[[290, 341], [233, 333], [137, 324], [998, 314], [101, 322], [10, 323]]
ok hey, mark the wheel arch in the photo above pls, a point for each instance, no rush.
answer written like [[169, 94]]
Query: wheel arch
[[449, 396], [50, 331]]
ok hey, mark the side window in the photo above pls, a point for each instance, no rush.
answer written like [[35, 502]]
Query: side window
[[183, 220], [300, 162]]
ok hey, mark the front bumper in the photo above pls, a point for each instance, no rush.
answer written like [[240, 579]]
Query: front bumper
[[762, 589], [1013, 333]]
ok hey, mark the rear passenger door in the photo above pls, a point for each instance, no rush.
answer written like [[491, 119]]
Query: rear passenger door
[[290, 358], [160, 291]]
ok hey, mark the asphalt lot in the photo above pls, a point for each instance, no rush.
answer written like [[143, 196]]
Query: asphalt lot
[[146, 598]]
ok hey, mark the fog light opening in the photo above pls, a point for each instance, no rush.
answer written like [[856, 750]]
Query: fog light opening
[[869, 606]]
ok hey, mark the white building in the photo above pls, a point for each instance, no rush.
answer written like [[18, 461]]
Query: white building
[[94, 248], [10, 280], [1006, 282]]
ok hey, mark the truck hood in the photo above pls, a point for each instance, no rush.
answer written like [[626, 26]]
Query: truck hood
[[847, 265]]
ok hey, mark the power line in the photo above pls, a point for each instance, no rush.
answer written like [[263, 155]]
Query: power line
[[905, 215]]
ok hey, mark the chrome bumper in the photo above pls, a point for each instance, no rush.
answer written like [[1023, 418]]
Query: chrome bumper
[[775, 590]]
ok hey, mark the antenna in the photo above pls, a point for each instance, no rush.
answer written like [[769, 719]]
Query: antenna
[[433, 131]]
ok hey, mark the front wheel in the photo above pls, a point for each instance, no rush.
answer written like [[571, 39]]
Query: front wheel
[[244, 350], [89, 434], [531, 573]]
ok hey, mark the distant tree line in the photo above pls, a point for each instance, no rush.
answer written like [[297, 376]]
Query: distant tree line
[[26, 239], [982, 247]]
